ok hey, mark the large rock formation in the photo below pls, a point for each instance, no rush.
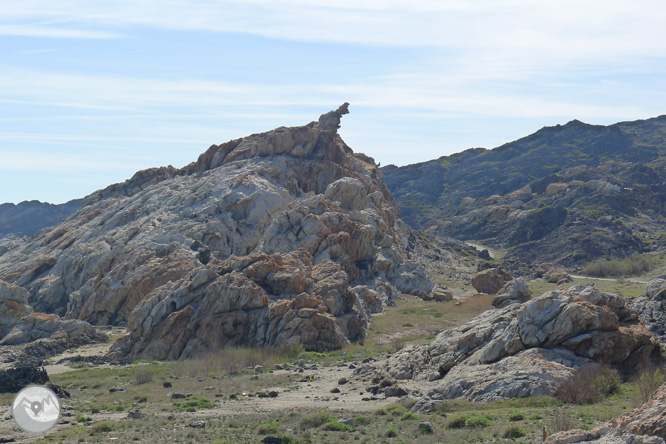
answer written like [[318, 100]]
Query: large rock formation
[[523, 349], [276, 237], [643, 425]]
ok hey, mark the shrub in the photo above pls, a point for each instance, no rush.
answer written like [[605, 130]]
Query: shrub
[[457, 423], [380, 412], [391, 432], [535, 416], [83, 419], [517, 416], [335, 426], [101, 427], [650, 377], [562, 421], [142, 376], [408, 416], [513, 431], [267, 428], [361, 420], [477, 422], [470, 422], [621, 267], [312, 420], [588, 384]]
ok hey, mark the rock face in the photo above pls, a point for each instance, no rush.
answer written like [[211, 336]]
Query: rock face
[[523, 349], [273, 238], [490, 281], [643, 425], [652, 309]]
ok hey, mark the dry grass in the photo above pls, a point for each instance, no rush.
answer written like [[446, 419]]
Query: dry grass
[[233, 361]]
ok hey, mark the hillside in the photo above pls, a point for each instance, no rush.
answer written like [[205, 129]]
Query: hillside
[[568, 194]]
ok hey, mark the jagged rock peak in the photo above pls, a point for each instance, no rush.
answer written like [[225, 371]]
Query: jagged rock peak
[[331, 120]]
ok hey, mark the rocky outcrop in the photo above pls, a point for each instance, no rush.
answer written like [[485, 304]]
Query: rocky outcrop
[[19, 324], [651, 307], [490, 281], [276, 237], [523, 349], [643, 425]]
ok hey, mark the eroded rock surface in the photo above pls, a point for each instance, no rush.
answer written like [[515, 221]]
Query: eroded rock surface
[[523, 349], [651, 307], [276, 237]]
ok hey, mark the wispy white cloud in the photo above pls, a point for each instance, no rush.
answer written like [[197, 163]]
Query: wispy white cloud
[[51, 32]]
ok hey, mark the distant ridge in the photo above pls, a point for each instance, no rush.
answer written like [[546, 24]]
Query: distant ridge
[[28, 217], [567, 193]]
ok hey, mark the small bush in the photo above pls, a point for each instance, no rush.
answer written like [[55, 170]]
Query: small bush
[[517, 416], [396, 409], [514, 431], [83, 419], [562, 421], [335, 426], [102, 427], [589, 384], [457, 423], [361, 420], [650, 377], [267, 428], [469, 422], [142, 376], [312, 420], [477, 422], [409, 416], [391, 432], [535, 416], [380, 412], [621, 267]]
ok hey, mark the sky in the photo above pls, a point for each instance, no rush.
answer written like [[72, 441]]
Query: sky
[[93, 91]]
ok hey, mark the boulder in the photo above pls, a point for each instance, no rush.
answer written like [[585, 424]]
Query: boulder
[[514, 291], [490, 281]]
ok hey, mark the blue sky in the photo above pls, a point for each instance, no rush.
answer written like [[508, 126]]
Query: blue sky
[[92, 91]]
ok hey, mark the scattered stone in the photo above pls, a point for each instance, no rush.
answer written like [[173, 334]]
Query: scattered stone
[[395, 392], [198, 424], [13, 379], [136, 414], [167, 384], [351, 366], [258, 369], [342, 381], [271, 440], [117, 388], [387, 382], [177, 396], [335, 390], [347, 421], [442, 295]]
